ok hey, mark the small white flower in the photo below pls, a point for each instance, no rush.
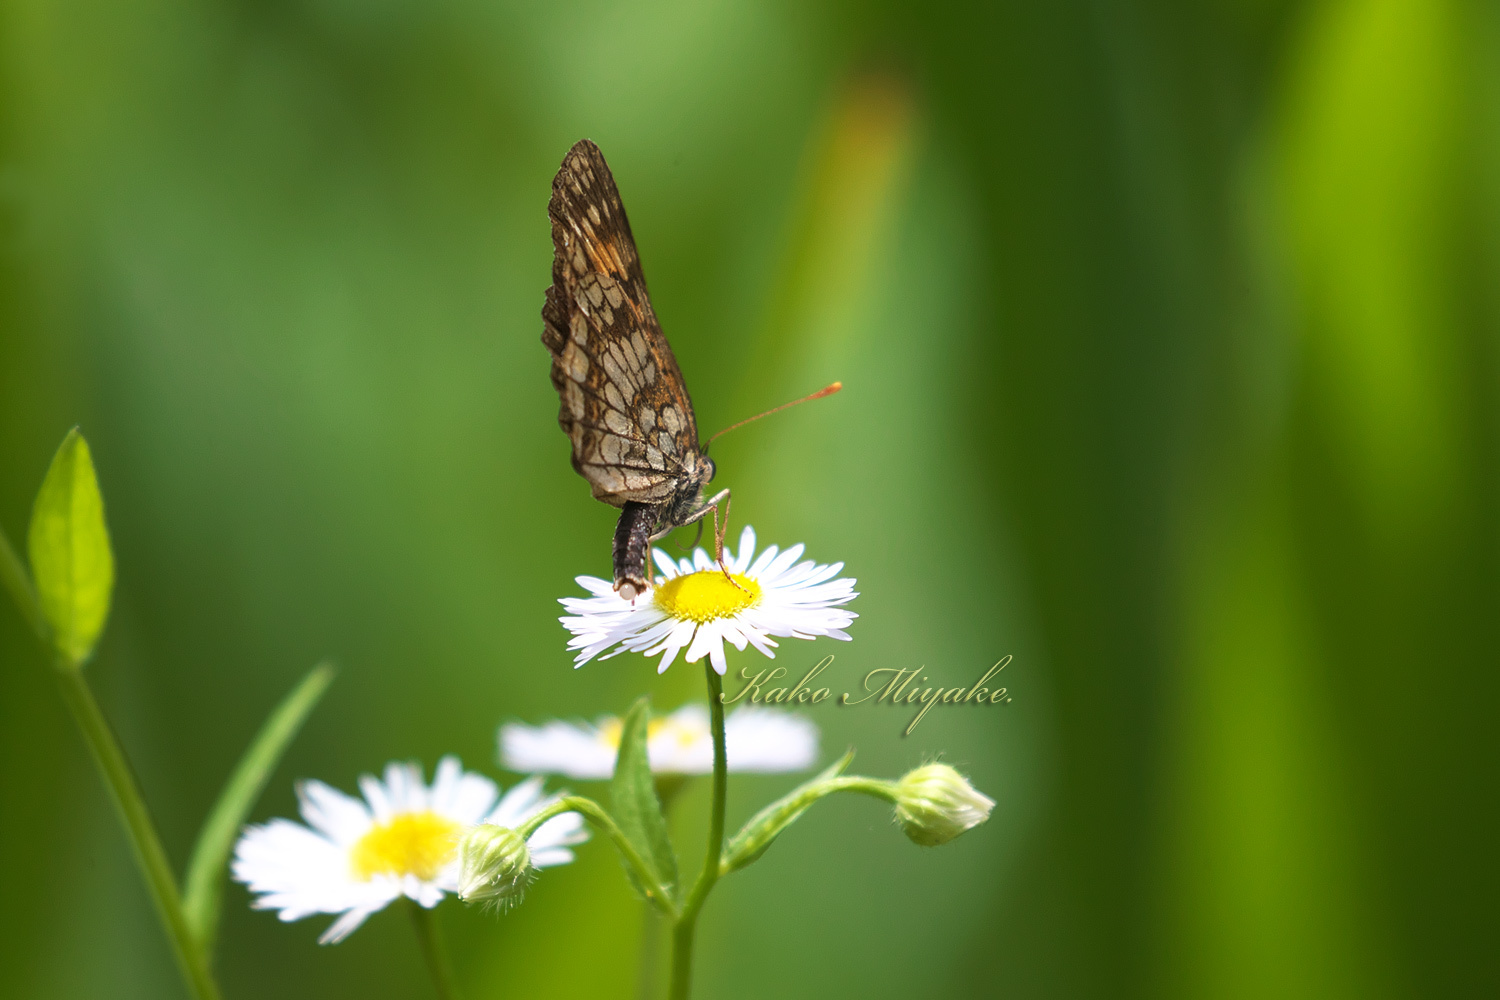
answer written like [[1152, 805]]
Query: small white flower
[[756, 740], [354, 858], [692, 606]]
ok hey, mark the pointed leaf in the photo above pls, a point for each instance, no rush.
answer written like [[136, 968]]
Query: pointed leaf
[[205, 875], [633, 795], [71, 562], [756, 836]]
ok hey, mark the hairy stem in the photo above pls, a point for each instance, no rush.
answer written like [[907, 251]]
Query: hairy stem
[[687, 921], [605, 824]]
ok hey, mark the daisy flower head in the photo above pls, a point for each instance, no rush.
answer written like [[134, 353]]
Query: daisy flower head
[[692, 606], [757, 740], [354, 857]]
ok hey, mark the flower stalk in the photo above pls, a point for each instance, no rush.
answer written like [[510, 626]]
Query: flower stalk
[[430, 940], [605, 824], [119, 780], [191, 957], [765, 826], [687, 922]]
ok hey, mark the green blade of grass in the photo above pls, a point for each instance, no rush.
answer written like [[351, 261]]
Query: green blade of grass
[[205, 874]]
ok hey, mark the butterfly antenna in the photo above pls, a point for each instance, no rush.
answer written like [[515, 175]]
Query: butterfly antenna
[[827, 390]]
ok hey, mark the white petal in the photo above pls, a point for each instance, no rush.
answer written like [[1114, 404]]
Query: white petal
[[783, 562], [557, 747], [518, 803], [550, 856], [342, 818], [378, 796], [470, 798], [758, 568], [560, 831], [425, 894], [747, 550], [664, 563], [704, 639], [767, 740], [345, 925]]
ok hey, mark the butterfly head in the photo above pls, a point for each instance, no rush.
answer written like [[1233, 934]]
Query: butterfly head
[[687, 498]]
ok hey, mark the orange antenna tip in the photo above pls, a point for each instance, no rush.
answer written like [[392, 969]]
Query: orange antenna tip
[[827, 390]]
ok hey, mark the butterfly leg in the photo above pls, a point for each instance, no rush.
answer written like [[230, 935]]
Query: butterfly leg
[[720, 532], [711, 508]]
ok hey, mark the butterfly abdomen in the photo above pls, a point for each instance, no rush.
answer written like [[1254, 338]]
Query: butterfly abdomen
[[632, 542]]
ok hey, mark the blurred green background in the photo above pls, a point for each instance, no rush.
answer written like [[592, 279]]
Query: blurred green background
[[1169, 332]]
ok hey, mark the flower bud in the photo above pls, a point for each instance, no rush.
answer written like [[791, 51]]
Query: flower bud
[[934, 804], [494, 866]]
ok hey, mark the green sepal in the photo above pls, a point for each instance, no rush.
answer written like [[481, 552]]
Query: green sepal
[[757, 835], [636, 808], [72, 567]]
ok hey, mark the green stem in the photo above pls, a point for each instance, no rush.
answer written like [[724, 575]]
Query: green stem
[[875, 787], [650, 945], [144, 842], [668, 788], [687, 922], [765, 826], [13, 575], [430, 938], [605, 823], [119, 780]]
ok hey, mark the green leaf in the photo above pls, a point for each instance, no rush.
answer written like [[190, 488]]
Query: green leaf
[[71, 561], [756, 836], [205, 873], [633, 795]]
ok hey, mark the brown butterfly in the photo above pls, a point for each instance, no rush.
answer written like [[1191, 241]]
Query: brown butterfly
[[625, 406]]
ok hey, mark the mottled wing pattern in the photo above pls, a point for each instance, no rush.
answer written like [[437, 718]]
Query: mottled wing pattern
[[624, 405]]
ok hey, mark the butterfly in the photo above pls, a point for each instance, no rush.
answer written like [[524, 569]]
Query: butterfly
[[625, 406]]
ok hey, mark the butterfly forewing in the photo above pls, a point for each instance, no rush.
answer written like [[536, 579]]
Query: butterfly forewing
[[624, 405]]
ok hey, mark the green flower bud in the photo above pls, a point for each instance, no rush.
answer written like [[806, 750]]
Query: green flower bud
[[494, 866], [935, 803]]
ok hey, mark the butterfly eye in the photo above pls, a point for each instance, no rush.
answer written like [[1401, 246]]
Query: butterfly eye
[[713, 470]]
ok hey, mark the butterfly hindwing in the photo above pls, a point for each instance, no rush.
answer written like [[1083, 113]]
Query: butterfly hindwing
[[625, 407]]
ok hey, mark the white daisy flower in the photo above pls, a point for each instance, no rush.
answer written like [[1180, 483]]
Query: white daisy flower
[[756, 740], [354, 858], [692, 606]]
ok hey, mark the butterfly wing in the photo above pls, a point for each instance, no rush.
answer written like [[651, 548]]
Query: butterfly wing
[[624, 405]]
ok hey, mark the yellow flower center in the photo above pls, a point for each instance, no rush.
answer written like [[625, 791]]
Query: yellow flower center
[[611, 729], [417, 844], [706, 595], [684, 735]]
